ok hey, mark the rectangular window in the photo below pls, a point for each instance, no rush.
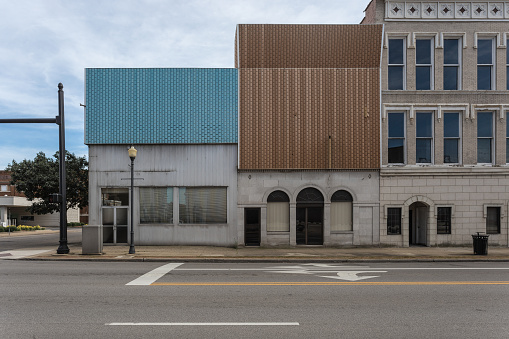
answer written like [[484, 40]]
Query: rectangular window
[[424, 138], [424, 64], [396, 154], [493, 220], [4, 188], [115, 197], [485, 137], [393, 221], [452, 52], [202, 205], [451, 138], [507, 62], [278, 217], [27, 218], [485, 65], [341, 216], [444, 220], [396, 70], [156, 205]]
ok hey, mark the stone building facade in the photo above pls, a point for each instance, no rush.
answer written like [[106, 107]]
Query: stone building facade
[[444, 127]]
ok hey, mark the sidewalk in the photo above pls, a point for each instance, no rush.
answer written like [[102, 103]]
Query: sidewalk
[[287, 254]]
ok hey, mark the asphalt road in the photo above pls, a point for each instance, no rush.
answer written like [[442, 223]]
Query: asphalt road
[[38, 241], [158, 300]]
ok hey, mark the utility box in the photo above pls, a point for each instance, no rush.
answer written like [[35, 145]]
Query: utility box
[[92, 239]]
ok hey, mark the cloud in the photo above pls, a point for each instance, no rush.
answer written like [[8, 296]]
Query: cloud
[[52, 41]]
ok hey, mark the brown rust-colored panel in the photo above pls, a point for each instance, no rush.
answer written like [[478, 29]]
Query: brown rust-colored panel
[[287, 116], [309, 46]]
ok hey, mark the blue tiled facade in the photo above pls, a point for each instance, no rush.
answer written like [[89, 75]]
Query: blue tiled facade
[[161, 105]]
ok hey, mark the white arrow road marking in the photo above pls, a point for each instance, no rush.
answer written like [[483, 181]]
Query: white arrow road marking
[[352, 275], [152, 276]]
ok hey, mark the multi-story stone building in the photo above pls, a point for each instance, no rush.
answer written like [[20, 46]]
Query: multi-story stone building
[[444, 138]]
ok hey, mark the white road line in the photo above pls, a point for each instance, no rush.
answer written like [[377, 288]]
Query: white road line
[[18, 254], [152, 276], [202, 324], [319, 270]]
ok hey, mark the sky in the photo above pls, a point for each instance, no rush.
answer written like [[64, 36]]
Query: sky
[[47, 42]]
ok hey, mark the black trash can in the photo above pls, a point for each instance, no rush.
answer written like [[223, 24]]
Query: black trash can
[[480, 243]]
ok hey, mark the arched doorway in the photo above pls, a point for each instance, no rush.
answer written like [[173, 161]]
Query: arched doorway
[[418, 223], [309, 217]]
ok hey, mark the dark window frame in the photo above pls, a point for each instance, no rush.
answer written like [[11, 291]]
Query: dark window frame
[[493, 221], [394, 220], [444, 220]]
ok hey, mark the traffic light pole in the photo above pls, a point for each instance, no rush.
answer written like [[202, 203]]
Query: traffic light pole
[[59, 120]]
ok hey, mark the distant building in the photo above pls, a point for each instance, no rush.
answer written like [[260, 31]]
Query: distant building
[[13, 205]]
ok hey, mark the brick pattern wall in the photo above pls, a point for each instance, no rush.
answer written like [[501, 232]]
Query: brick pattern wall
[[287, 116], [161, 106], [309, 46]]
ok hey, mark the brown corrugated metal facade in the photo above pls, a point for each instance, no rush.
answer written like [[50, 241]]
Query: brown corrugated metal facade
[[309, 96]]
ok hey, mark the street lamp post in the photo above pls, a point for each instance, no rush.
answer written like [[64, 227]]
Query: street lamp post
[[132, 154]]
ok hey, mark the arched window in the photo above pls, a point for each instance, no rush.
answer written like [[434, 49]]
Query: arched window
[[310, 195], [278, 212], [341, 211]]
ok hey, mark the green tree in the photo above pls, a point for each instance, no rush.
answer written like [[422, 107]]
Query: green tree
[[38, 178]]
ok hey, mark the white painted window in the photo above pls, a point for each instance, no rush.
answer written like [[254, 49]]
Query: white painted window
[[424, 137], [452, 63], [485, 133], [452, 138], [396, 141], [4, 188], [424, 56], [485, 63], [396, 64]]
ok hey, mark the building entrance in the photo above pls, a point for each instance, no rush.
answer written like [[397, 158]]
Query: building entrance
[[418, 223], [309, 218]]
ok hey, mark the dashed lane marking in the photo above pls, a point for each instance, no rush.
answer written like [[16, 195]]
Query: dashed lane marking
[[203, 324]]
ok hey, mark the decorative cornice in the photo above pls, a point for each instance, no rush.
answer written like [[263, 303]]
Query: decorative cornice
[[450, 10]]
